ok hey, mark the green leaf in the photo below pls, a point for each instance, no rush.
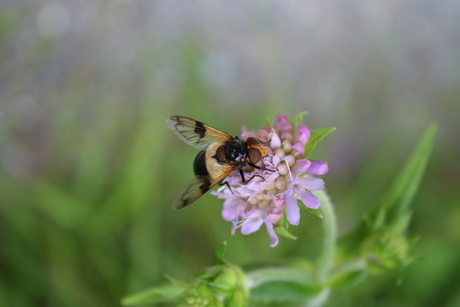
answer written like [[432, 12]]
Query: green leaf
[[401, 193], [315, 137], [296, 121], [314, 212], [220, 253], [284, 232], [393, 211], [212, 272], [158, 294], [268, 122]]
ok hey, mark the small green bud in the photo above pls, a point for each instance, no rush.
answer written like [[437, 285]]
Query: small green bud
[[199, 296], [386, 250], [226, 281]]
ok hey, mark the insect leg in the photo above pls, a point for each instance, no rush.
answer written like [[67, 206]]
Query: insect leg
[[258, 167], [242, 175], [255, 176], [225, 183]]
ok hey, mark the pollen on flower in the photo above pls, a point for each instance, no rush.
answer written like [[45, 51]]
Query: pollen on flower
[[276, 189]]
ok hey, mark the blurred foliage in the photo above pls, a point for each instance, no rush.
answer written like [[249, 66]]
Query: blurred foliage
[[89, 170]]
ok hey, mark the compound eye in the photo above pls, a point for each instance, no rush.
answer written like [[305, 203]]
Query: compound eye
[[254, 155], [250, 141]]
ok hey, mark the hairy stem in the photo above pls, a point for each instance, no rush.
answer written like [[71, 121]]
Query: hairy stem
[[329, 237]]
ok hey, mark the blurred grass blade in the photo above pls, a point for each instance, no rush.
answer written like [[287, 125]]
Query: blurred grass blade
[[393, 209], [401, 193]]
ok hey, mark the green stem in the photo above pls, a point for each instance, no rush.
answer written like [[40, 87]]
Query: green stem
[[329, 237], [324, 263], [260, 276], [294, 275]]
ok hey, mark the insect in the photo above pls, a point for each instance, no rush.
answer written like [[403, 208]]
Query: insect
[[220, 154]]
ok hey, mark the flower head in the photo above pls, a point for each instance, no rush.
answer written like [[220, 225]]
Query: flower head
[[276, 189]]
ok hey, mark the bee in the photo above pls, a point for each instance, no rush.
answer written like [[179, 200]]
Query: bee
[[220, 155]]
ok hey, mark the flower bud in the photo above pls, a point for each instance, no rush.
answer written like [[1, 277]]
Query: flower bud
[[298, 150], [226, 281], [282, 169], [286, 146], [280, 183], [199, 296], [302, 135], [290, 159], [282, 123], [280, 153], [262, 134], [287, 136], [386, 250], [275, 141]]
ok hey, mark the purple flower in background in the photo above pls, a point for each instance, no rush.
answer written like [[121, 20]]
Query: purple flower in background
[[277, 190]]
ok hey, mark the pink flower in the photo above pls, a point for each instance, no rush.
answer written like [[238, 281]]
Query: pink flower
[[278, 188], [300, 189]]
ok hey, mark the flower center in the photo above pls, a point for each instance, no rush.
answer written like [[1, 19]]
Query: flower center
[[296, 189]]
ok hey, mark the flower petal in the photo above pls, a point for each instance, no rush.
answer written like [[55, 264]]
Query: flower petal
[[272, 234], [275, 141], [301, 166], [309, 200], [278, 202], [251, 225], [292, 210], [300, 150], [302, 135], [282, 123], [317, 168], [275, 215], [229, 214], [232, 208], [310, 183]]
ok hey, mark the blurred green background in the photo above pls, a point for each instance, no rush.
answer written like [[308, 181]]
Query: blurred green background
[[89, 170]]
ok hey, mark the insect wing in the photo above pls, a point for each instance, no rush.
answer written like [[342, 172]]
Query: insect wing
[[196, 133], [200, 185]]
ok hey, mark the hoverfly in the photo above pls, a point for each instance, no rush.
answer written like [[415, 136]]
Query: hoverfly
[[220, 154]]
